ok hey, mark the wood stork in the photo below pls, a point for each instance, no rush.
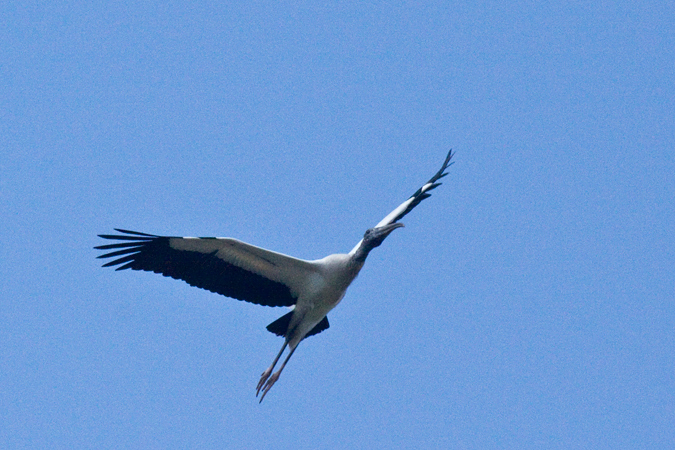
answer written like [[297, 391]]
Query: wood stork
[[245, 272]]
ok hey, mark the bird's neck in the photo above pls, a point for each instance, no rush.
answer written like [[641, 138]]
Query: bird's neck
[[361, 252]]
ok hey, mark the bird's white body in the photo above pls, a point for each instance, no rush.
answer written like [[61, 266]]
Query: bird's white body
[[322, 290]]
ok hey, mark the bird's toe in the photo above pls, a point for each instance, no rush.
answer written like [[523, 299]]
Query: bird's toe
[[263, 378], [268, 385]]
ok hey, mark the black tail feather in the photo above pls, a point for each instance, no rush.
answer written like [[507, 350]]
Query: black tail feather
[[280, 326]]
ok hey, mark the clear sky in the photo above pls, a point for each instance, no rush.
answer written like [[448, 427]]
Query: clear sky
[[528, 304]]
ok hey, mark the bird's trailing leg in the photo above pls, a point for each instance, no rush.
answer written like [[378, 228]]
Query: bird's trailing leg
[[269, 382], [266, 374]]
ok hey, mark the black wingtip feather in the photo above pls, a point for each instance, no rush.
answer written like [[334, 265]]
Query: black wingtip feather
[[123, 238], [138, 233], [121, 245], [126, 266], [121, 260], [125, 251]]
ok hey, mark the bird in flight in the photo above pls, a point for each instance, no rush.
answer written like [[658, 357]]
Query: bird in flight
[[245, 272]]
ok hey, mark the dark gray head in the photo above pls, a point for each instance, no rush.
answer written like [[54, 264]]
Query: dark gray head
[[374, 238]]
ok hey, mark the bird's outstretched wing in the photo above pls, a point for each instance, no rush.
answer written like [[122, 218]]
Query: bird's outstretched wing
[[222, 265], [422, 193]]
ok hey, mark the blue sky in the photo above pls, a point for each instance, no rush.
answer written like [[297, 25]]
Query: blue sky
[[529, 303]]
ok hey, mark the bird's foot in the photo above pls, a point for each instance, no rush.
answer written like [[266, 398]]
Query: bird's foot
[[263, 378], [268, 385]]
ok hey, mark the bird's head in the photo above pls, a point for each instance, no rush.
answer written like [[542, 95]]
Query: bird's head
[[373, 238]]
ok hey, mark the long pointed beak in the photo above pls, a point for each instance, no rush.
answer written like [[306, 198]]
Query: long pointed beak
[[386, 229]]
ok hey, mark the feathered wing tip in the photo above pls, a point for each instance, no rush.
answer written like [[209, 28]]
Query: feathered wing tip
[[433, 181], [422, 193], [441, 173], [129, 249]]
